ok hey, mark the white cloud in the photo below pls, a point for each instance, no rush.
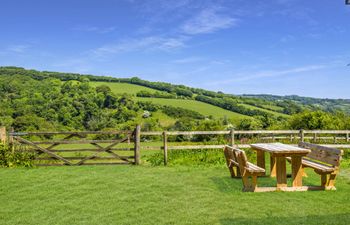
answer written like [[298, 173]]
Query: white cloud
[[146, 44], [272, 73], [187, 60], [208, 21], [94, 29], [18, 48]]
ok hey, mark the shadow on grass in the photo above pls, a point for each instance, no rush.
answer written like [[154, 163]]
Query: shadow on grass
[[228, 184], [336, 219]]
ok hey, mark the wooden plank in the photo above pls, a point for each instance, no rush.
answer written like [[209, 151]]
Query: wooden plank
[[82, 157], [69, 132], [272, 166], [195, 147], [297, 171], [89, 150], [137, 139], [165, 148], [3, 136], [325, 157], [73, 141], [302, 135], [196, 132], [232, 137], [95, 163], [320, 148], [260, 158], [281, 172]]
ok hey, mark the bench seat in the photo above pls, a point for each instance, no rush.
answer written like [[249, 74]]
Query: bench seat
[[315, 165], [252, 168], [239, 166]]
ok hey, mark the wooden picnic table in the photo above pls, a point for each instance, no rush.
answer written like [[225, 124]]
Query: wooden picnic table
[[278, 153]]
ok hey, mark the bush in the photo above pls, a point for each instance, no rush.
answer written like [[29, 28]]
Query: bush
[[15, 156], [201, 157]]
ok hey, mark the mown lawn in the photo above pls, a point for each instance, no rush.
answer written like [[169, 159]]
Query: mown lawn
[[159, 195]]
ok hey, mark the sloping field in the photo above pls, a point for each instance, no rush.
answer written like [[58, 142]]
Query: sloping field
[[201, 107], [121, 88], [264, 110]]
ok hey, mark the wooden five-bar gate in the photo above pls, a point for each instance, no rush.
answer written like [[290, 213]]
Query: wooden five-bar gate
[[80, 148]]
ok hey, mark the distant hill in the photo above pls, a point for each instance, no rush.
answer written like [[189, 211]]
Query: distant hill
[[326, 104], [123, 101]]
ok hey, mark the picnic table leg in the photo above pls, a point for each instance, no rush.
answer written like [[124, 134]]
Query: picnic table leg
[[260, 159], [272, 167], [281, 172], [297, 171]]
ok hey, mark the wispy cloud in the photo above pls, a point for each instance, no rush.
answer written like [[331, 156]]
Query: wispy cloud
[[187, 60], [271, 73], [94, 29], [141, 44], [208, 21], [18, 48]]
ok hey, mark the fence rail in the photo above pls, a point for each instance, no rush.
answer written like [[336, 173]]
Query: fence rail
[[339, 139]]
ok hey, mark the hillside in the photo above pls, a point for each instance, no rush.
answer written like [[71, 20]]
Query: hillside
[[34, 100], [200, 107]]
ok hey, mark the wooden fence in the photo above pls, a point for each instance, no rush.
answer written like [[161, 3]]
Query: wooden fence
[[239, 138]]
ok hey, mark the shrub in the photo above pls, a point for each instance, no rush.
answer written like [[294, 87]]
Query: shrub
[[15, 156], [201, 157]]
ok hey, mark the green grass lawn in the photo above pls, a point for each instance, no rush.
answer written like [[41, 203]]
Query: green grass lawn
[[159, 195], [201, 107]]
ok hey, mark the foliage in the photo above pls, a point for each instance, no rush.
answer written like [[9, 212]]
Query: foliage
[[15, 156], [156, 94], [178, 112], [318, 120]]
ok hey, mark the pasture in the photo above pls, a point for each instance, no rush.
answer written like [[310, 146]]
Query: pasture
[[160, 195], [201, 107]]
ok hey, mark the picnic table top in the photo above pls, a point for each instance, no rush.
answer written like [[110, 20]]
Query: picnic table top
[[279, 148]]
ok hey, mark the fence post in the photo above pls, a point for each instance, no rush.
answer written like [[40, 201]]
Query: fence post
[[315, 137], [137, 145], [3, 137], [10, 138], [347, 137], [302, 134], [232, 137], [165, 148]]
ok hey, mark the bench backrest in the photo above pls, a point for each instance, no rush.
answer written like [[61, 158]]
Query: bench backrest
[[237, 157], [331, 156]]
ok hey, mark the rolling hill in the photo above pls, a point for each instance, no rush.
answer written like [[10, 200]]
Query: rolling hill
[[75, 101]]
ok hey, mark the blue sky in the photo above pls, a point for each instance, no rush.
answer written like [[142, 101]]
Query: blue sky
[[237, 46]]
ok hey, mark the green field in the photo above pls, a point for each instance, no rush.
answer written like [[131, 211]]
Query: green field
[[201, 107], [121, 88], [264, 110], [159, 195]]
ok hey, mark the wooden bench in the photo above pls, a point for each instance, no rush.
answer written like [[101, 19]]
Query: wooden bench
[[239, 166], [324, 160]]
